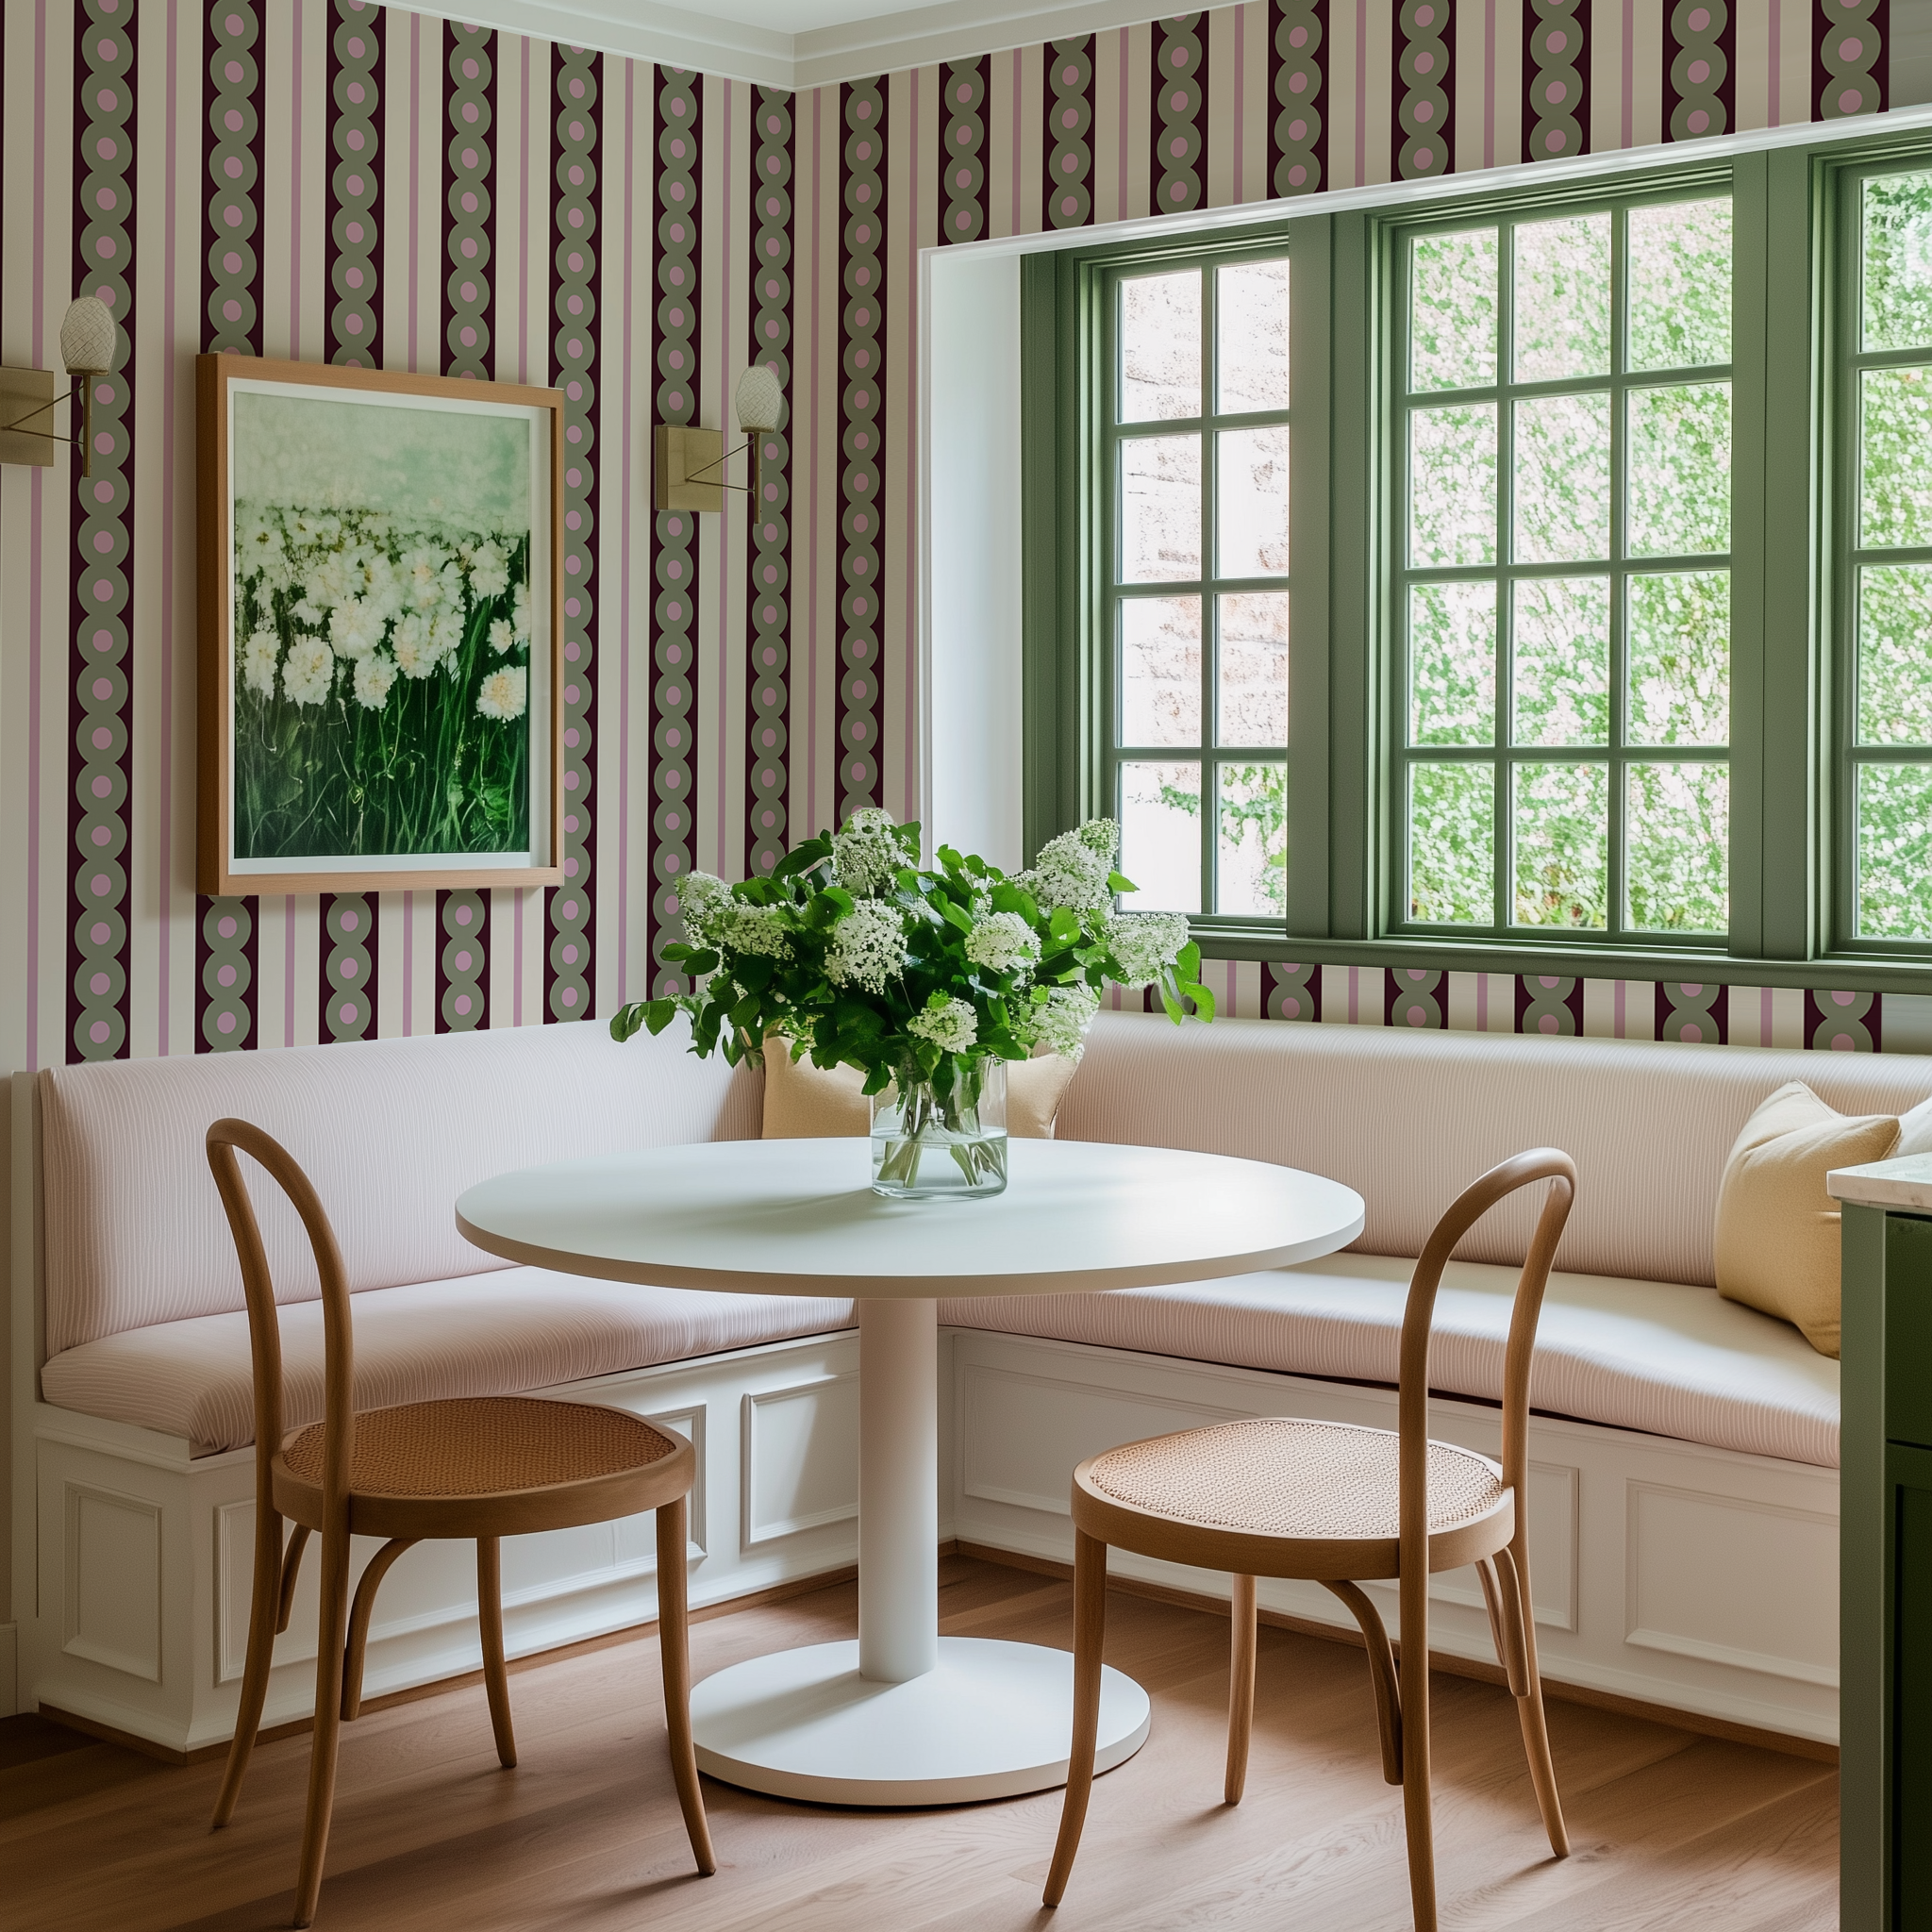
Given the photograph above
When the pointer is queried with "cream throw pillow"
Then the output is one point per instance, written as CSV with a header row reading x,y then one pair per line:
x,y
1777,1230
808,1103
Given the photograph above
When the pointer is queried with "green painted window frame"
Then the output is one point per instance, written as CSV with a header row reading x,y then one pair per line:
x,y
1788,666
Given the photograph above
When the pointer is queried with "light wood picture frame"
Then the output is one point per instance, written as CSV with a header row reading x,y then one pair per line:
x,y
381,633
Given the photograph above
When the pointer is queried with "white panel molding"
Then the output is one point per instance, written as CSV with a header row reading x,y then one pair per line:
x,y
792,1458
839,40
113,1599
1670,1528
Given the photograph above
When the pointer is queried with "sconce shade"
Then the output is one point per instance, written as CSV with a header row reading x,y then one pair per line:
x,y
759,399
87,337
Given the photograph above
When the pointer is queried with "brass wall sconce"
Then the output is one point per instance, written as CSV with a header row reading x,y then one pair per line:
x,y
88,337
685,462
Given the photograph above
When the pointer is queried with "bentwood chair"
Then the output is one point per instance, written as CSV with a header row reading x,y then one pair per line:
x,y
1339,1504
485,1468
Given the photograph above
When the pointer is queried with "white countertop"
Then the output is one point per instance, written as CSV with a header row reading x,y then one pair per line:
x,y
1903,1183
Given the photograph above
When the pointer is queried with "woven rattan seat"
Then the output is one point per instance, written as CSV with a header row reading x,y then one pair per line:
x,y
1341,1505
483,1446
475,1468
1302,1480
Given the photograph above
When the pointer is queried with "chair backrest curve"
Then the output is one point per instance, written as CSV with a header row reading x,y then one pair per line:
x,y
1521,1171
226,1138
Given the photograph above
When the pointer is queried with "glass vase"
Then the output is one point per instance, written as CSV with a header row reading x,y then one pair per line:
x,y
927,1147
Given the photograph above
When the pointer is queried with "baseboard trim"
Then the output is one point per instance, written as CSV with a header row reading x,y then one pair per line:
x,y
633,1633
1443,1662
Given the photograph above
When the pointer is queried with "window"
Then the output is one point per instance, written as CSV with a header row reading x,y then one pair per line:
x,y
1563,591
1196,423
1886,561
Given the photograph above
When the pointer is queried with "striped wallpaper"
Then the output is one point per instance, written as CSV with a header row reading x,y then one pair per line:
x,y
330,182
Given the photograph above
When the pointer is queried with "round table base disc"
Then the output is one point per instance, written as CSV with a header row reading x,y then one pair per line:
x,y
991,1722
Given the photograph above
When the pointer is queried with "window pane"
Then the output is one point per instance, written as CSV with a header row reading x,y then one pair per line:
x,y
1679,847
1251,335
1563,660
1251,866
1453,486
1452,664
1895,654
1680,285
1680,659
1161,837
1452,844
1161,508
1254,669
1563,479
1161,671
1895,852
1252,503
1679,490
1160,347
1563,298
1896,457
1898,262
1452,341
1562,845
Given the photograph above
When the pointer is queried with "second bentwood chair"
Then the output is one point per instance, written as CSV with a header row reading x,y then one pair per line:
x,y
1339,1504
481,1467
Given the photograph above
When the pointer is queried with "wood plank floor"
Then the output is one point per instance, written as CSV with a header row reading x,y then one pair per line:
x,y
1670,1830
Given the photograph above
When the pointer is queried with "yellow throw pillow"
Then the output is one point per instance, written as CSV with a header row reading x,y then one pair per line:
x,y
1777,1230
808,1103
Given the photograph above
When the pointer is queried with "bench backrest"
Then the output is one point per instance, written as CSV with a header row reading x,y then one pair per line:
x,y
391,1132
1408,1120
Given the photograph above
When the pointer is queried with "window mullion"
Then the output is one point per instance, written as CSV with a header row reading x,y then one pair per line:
x,y
1211,567
1617,912
1504,712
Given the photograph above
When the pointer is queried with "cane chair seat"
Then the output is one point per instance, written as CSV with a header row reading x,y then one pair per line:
x,y
1326,1495
498,1458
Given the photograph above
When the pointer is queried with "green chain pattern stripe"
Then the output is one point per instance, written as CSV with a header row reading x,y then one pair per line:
x,y
860,331
349,1008
1850,50
1290,990
464,963
1180,63
770,527
1423,109
673,536
469,171
1691,1012
1553,121
1698,69
233,316
1298,83
573,285
103,519
1548,1003
1842,1022
964,178
1415,998
1070,132
355,319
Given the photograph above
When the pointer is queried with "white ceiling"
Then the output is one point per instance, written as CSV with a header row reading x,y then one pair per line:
x,y
799,43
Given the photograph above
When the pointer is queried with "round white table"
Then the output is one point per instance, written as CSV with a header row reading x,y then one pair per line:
x,y
905,1716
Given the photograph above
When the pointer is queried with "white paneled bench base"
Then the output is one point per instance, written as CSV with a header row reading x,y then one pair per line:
x,y
144,1558
1701,1579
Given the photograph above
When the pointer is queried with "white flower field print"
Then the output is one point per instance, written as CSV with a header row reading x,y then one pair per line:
x,y
384,615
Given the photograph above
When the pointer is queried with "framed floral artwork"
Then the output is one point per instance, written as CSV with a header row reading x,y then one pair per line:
x,y
381,629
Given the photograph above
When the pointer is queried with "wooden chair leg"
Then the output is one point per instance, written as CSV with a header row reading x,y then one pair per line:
x,y
1089,1638
360,1614
673,1647
332,1621
292,1569
489,1616
1512,1568
1415,1750
1381,1675
262,1610
1240,1687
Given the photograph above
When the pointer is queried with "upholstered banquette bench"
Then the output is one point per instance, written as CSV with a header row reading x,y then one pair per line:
x,y
1684,1481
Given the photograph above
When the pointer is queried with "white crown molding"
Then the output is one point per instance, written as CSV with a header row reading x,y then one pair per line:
x,y
706,42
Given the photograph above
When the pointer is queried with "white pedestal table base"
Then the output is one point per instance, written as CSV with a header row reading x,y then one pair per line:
x,y
989,1721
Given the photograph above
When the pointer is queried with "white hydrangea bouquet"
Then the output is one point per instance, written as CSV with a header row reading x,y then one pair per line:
x,y
927,981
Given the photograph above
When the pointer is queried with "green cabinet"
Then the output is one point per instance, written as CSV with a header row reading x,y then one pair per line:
x,y
1885,1643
